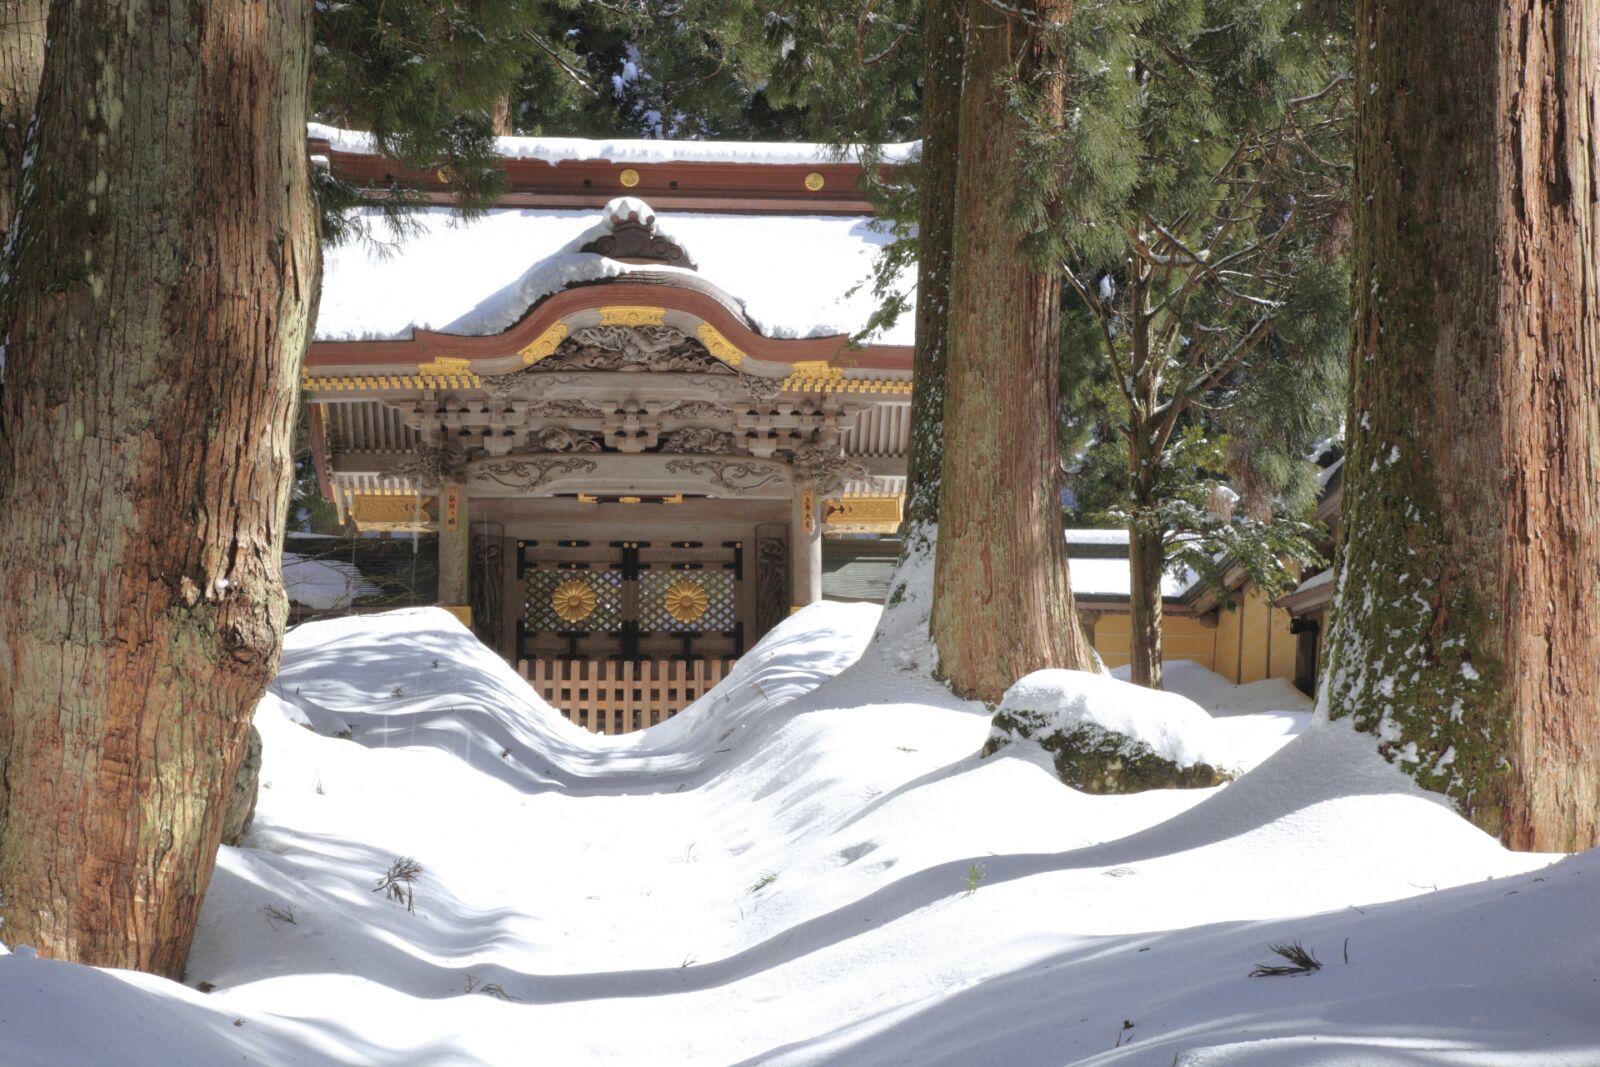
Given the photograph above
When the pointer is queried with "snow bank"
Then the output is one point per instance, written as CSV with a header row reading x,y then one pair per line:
x,y
1219,696
812,866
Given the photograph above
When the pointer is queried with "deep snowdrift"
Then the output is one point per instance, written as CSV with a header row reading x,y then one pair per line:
x,y
812,865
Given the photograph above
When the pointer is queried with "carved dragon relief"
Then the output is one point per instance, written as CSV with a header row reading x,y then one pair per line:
x,y
733,475
699,440
761,389
561,439
533,471
432,465
698,410
631,349
826,469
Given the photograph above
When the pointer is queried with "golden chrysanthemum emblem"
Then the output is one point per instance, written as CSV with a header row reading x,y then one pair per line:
x,y
573,600
687,600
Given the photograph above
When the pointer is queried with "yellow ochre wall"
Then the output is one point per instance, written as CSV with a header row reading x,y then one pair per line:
x,y
1249,642
1182,637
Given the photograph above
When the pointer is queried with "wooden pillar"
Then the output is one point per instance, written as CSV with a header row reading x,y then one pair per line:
x,y
454,551
805,546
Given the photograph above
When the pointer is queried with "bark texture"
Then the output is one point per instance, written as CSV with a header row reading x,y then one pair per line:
x,y
1002,602
1146,562
1466,630
21,62
163,275
936,206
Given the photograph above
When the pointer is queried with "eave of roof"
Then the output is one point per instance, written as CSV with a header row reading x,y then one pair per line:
x,y
500,353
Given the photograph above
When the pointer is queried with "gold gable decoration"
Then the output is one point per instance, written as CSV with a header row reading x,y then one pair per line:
x,y
543,345
719,345
382,383
803,383
445,367
865,514
815,368
632,316
391,512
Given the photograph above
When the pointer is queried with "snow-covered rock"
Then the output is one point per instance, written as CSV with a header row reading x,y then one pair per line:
x,y
1102,735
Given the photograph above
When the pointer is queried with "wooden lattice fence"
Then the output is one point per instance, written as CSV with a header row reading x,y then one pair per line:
x,y
619,696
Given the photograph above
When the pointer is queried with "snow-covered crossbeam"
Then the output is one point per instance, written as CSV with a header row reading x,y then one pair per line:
x,y
622,150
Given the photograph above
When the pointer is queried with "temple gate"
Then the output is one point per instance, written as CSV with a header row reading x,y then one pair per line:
x,y
629,481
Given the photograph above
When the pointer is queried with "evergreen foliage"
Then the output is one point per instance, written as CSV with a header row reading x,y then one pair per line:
x,y
432,82
1201,212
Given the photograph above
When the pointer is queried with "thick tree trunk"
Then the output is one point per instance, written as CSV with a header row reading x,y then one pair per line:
x,y
21,61
1466,631
162,281
1146,561
936,206
1002,602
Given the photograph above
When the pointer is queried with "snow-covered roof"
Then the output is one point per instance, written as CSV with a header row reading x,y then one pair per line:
x,y
795,275
1109,577
573,149
1321,578
1097,537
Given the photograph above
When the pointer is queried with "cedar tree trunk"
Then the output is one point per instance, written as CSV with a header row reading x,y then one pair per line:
x,y
1002,603
1146,561
936,206
162,280
21,60
1466,632
500,115
1149,428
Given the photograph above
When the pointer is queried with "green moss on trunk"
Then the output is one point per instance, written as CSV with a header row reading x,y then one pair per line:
x,y
1464,635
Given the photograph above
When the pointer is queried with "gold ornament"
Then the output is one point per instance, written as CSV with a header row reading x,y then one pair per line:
x,y
814,182
445,367
687,600
632,316
629,178
573,600
543,345
719,345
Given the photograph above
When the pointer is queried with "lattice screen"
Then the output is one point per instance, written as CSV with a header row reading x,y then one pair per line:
x,y
686,601
567,600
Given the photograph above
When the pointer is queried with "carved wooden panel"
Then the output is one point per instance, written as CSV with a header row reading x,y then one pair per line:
x,y
486,582
772,582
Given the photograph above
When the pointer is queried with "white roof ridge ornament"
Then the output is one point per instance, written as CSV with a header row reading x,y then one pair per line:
x,y
626,209
628,233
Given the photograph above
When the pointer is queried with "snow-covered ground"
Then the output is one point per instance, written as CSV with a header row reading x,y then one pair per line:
x,y
812,866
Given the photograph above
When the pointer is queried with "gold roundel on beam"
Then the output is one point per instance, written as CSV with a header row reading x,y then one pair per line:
x,y
629,178
687,600
573,600
814,181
